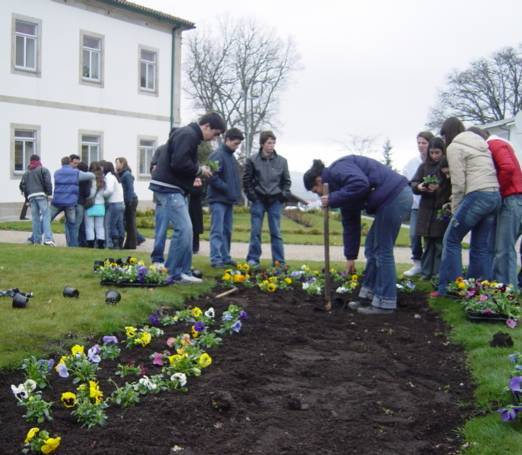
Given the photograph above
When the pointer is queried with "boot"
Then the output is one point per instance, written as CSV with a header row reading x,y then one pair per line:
x,y
90,243
415,270
101,244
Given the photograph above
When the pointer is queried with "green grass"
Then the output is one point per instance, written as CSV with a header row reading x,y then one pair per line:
x,y
490,369
293,233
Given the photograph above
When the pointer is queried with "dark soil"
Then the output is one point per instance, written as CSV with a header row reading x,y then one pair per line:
x,y
294,381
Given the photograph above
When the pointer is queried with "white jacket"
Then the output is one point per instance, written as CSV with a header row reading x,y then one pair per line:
x,y
113,190
471,167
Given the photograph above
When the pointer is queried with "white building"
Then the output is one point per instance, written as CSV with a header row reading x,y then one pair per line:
x,y
510,129
97,78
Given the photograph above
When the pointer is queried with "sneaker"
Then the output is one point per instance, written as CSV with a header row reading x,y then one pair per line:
x,y
189,279
49,243
371,310
356,304
231,263
253,264
415,270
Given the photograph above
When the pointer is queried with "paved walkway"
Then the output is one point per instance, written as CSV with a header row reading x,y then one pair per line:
x,y
239,250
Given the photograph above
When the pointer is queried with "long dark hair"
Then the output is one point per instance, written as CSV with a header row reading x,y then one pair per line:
x,y
451,128
109,167
124,165
97,170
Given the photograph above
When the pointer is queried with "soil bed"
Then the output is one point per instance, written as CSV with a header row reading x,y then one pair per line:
x,y
296,380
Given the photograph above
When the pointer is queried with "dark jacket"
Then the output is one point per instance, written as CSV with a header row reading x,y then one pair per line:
x,y
224,186
357,183
430,223
127,182
195,208
177,165
84,191
36,182
66,187
267,179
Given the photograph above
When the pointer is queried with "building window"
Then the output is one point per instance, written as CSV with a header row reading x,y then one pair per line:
x,y
25,145
90,148
91,58
146,149
148,70
26,45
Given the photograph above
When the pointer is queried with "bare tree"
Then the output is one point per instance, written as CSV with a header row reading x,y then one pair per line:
x,y
359,145
387,153
239,71
489,90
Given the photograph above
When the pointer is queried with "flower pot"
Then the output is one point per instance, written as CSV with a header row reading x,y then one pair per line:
x,y
112,297
71,292
20,300
476,316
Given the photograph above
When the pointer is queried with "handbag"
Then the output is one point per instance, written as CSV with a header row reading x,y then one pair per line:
x,y
89,202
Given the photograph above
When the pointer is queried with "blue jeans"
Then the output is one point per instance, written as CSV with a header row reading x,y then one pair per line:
x,y
80,233
257,213
70,222
221,216
173,208
415,240
476,213
509,228
41,219
161,225
114,228
380,278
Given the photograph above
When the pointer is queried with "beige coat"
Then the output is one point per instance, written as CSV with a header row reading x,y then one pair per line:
x,y
471,167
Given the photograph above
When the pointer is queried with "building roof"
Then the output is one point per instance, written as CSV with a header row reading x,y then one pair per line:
x,y
499,123
145,11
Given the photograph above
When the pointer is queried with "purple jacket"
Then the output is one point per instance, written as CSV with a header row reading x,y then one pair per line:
x,y
358,183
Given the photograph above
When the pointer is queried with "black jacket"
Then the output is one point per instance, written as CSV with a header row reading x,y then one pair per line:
x,y
177,164
266,178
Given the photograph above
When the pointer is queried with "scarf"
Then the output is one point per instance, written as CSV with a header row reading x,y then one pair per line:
x,y
35,164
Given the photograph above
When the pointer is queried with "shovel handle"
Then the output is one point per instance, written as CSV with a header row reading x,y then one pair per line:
x,y
326,229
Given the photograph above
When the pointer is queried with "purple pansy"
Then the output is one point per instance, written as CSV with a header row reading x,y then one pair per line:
x,y
508,414
511,323
94,354
62,370
110,339
199,326
243,315
515,384
154,319
236,327
157,359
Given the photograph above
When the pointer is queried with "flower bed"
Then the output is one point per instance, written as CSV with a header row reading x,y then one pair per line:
x,y
85,380
131,273
487,301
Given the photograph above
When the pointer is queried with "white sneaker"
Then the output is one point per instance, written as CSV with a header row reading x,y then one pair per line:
x,y
189,279
49,243
415,270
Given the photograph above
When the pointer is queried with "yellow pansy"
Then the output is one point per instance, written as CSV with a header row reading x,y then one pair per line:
x,y
239,278
272,279
95,392
204,360
50,445
355,277
196,312
195,333
271,287
68,399
288,280
461,285
144,339
180,351
175,358
31,434
185,339
132,261
130,331
77,349
226,277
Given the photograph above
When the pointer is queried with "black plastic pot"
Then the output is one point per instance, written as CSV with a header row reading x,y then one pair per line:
x,y
71,292
485,317
112,297
20,300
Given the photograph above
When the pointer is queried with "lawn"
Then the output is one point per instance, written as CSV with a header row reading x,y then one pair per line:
x,y
52,323
293,233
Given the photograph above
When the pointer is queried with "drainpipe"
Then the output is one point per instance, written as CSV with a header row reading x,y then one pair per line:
x,y
172,69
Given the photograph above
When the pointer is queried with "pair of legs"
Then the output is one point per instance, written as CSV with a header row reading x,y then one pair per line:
x,y
221,220
257,214
477,214
380,281
430,263
41,219
70,222
114,229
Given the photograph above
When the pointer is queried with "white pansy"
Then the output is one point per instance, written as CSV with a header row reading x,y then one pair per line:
x,y
181,378
210,313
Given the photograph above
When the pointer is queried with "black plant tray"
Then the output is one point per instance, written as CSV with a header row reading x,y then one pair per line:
x,y
480,317
127,284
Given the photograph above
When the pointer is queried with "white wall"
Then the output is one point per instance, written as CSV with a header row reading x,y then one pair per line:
x,y
60,82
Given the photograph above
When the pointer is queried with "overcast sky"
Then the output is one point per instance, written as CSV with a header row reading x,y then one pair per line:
x,y
370,67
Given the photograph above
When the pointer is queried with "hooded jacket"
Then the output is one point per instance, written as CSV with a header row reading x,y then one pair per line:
x,y
357,183
225,184
471,167
506,163
36,182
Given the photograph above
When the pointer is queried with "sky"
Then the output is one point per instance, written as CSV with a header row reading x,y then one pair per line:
x,y
369,67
